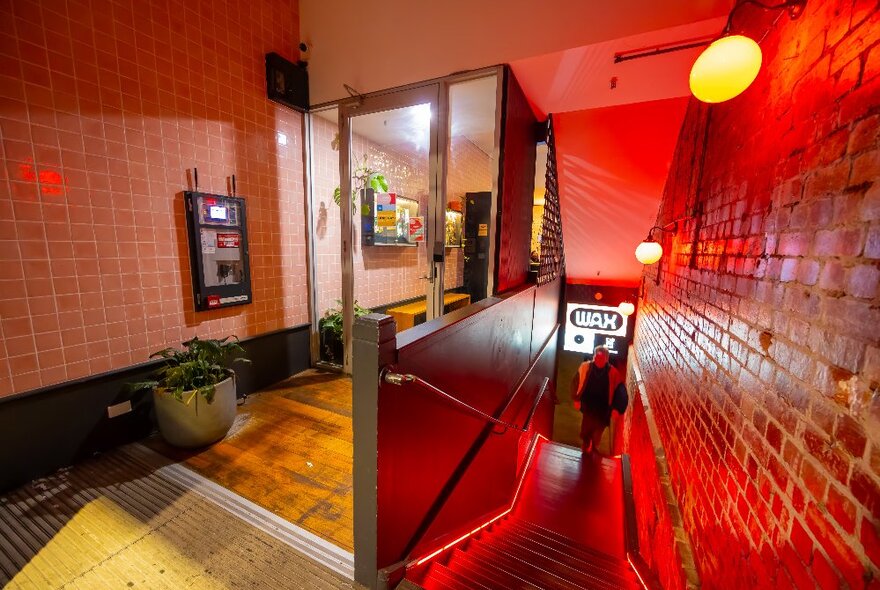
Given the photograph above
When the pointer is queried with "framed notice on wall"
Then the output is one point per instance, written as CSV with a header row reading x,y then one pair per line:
x,y
218,250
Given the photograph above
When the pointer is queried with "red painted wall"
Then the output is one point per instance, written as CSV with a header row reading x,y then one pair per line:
x,y
759,345
422,439
103,107
517,189
613,163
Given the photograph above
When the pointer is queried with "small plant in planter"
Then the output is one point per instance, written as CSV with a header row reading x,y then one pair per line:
x,y
330,327
194,392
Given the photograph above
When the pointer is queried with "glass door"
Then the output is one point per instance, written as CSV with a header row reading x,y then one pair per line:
x,y
470,187
392,251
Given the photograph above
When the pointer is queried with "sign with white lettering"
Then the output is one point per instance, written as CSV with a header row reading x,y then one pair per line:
x,y
585,323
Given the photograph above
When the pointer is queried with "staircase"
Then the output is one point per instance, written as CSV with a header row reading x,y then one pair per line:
x,y
515,553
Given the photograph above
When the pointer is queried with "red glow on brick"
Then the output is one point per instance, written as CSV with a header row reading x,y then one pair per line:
x,y
50,177
52,183
26,172
51,190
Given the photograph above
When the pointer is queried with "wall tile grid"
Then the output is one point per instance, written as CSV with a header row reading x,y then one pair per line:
x,y
384,275
104,106
759,344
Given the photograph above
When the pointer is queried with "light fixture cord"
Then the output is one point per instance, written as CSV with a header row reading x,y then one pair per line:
x,y
780,6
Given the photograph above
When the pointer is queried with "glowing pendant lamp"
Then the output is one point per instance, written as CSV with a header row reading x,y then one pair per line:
x,y
730,64
626,308
725,69
649,251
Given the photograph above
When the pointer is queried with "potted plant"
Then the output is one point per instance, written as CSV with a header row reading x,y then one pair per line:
x,y
364,176
330,327
194,391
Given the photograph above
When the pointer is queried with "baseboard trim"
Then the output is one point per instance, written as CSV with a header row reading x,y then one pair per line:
x,y
72,418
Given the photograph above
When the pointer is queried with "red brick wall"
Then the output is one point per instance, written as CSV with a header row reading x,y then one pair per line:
x,y
759,346
104,105
656,537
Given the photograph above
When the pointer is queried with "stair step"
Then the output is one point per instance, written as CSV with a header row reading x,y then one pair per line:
x,y
488,572
524,570
437,579
549,548
584,574
526,529
461,581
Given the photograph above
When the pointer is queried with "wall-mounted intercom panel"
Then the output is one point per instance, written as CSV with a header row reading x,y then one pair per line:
x,y
218,248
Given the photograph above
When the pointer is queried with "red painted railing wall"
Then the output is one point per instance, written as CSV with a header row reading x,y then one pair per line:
x,y
517,187
422,438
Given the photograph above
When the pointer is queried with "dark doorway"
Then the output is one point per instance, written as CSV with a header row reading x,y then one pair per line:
x,y
476,244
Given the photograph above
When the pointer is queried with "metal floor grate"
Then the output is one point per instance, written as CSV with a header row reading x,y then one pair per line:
x,y
131,519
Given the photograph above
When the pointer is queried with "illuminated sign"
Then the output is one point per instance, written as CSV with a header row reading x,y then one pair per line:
x,y
588,326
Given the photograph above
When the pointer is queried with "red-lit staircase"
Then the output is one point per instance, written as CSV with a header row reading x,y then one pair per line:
x,y
566,530
515,553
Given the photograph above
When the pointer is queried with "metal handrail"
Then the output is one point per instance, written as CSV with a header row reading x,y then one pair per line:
x,y
401,378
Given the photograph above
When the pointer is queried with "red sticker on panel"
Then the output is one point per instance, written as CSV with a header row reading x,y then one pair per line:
x,y
228,240
213,301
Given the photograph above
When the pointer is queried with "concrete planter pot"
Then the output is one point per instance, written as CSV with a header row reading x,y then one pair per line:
x,y
197,423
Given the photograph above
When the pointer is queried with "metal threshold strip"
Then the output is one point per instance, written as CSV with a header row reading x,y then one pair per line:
x,y
305,542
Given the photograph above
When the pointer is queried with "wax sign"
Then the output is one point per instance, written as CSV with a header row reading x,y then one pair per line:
x,y
587,326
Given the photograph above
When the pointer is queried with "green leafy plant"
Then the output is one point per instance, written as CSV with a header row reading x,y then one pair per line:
x,y
197,368
364,177
332,319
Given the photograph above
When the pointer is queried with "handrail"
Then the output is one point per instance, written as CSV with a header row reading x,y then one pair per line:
x,y
450,486
401,378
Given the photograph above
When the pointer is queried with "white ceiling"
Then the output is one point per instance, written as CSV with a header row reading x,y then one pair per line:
x,y
580,78
376,44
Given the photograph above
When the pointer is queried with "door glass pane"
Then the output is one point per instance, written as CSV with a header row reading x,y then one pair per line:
x,y
471,169
389,163
325,147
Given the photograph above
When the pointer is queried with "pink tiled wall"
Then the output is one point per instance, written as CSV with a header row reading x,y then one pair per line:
x,y
385,274
104,106
470,170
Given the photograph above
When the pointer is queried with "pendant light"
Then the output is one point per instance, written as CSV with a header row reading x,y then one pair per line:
x,y
731,63
650,250
626,308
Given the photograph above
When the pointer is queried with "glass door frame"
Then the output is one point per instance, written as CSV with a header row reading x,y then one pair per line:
x,y
436,93
349,110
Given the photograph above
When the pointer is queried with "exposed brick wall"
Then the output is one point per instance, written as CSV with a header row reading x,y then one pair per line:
x,y
104,105
759,345
657,542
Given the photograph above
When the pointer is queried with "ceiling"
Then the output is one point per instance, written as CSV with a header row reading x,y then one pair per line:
x,y
613,146
377,44
580,78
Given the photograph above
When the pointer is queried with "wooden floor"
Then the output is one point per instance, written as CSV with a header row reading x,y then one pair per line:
x,y
290,451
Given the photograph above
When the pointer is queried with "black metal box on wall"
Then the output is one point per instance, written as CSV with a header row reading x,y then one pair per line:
x,y
218,249
287,82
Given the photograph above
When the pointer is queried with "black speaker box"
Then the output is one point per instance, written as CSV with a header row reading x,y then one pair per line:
x,y
287,83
